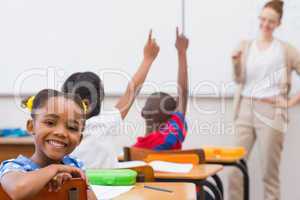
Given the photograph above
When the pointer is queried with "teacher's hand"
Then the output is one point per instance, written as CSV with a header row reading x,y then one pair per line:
x,y
236,58
281,102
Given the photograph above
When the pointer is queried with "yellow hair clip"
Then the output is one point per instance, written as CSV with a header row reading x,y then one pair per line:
x,y
84,107
29,103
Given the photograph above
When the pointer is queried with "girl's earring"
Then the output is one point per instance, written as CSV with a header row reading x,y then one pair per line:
x,y
29,126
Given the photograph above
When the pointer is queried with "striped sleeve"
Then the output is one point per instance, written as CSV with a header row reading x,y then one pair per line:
x,y
178,126
168,144
176,132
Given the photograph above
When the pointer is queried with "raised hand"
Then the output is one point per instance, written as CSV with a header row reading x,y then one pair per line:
x,y
125,102
181,45
182,42
151,49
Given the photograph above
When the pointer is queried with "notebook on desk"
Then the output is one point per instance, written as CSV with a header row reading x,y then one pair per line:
x,y
109,192
159,166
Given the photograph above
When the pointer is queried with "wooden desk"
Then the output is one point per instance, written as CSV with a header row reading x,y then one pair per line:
x,y
198,176
199,172
232,157
207,159
181,191
12,147
223,159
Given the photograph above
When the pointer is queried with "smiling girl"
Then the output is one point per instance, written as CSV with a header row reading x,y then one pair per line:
x,y
56,126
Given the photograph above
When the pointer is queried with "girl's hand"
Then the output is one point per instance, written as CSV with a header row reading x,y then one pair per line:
x,y
58,180
151,49
182,42
75,172
236,58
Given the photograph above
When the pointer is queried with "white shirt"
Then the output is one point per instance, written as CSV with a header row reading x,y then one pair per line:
x,y
264,70
97,149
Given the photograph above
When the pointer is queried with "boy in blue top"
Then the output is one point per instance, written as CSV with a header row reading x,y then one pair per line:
x,y
164,115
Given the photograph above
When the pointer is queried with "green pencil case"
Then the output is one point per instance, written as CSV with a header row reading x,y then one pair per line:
x,y
117,177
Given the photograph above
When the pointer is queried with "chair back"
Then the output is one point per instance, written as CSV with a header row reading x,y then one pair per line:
x,y
133,153
75,189
145,173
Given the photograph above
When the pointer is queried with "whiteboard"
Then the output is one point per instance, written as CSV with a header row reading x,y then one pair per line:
x,y
43,42
215,28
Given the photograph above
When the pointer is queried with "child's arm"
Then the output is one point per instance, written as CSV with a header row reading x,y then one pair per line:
x,y
150,52
182,44
19,185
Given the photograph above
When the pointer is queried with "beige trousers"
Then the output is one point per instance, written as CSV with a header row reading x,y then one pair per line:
x,y
258,122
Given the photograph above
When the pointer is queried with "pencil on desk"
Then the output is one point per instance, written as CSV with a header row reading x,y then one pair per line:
x,y
158,189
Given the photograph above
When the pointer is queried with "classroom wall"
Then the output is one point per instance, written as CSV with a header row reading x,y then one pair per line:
x,y
209,124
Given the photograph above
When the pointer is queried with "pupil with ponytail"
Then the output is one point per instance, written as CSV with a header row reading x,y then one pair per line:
x,y
56,125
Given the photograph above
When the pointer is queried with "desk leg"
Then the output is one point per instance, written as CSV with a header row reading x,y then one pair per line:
x,y
243,162
215,190
242,166
219,184
201,193
244,171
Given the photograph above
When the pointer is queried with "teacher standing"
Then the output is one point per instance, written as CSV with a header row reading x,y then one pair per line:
x,y
262,70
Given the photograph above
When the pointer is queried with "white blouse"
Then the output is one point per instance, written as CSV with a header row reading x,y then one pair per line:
x,y
264,69
97,149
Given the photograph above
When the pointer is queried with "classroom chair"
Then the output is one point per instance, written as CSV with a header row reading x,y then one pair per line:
x,y
145,173
133,153
74,189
